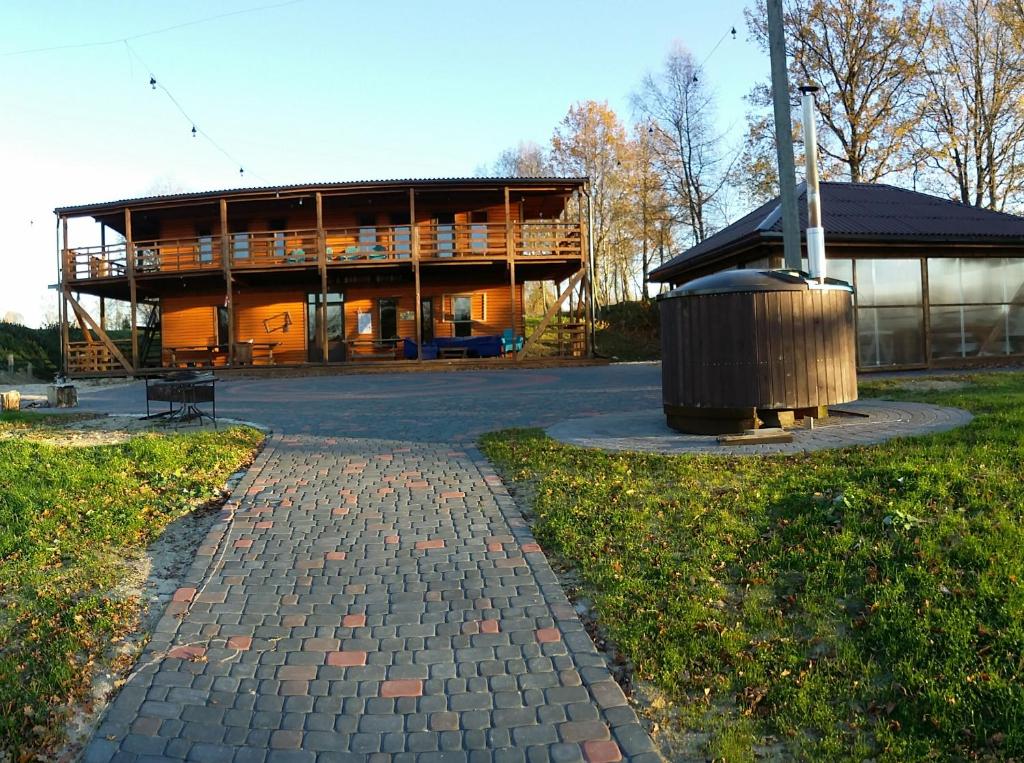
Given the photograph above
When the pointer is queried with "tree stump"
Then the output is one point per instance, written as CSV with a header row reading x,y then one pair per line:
x,y
10,401
62,395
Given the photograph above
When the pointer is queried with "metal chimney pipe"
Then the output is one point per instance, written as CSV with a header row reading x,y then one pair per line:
x,y
815,233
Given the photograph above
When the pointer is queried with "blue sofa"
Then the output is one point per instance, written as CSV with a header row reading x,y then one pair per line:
x,y
476,346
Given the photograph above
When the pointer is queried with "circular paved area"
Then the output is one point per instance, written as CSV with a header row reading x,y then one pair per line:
x,y
646,430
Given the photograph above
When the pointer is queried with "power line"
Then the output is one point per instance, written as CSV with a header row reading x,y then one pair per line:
x,y
97,43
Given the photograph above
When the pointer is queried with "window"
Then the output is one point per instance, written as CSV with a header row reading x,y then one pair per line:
x,y
240,246
401,236
222,326
427,320
890,312
367,233
444,225
462,314
973,310
205,245
478,231
388,309
278,227
335,324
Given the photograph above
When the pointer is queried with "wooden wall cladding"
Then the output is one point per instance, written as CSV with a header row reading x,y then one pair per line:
x,y
189,319
772,350
273,316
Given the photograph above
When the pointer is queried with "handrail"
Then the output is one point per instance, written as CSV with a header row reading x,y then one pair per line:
x,y
260,249
440,241
369,243
352,245
172,255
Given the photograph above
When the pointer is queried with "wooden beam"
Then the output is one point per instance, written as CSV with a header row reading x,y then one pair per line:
x,y
576,278
510,252
588,326
321,244
62,305
414,238
225,263
83,315
129,251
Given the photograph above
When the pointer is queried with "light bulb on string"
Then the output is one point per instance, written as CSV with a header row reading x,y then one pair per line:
x,y
152,82
194,131
733,32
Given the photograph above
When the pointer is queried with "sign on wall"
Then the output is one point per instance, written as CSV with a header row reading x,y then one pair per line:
x,y
364,320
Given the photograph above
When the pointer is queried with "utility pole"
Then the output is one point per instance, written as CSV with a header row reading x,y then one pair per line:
x,y
783,135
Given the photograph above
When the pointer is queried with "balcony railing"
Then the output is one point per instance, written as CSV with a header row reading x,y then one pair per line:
x,y
373,245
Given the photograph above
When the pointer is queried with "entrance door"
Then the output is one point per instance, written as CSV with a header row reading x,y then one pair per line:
x,y
335,327
426,321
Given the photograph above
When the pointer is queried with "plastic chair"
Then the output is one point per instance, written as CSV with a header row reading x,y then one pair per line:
x,y
510,342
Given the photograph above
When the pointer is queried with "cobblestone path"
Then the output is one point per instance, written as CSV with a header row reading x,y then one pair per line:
x,y
369,599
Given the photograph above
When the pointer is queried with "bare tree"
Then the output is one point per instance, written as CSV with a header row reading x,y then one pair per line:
x,y
865,55
972,130
526,159
678,107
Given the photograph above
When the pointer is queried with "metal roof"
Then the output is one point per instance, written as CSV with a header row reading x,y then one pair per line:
x,y
859,212
750,281
104,206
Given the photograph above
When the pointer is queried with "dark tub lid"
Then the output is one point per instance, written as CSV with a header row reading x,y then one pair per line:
x,y
737,281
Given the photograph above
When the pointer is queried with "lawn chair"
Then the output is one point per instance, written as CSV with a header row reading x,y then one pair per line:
x,y
510,342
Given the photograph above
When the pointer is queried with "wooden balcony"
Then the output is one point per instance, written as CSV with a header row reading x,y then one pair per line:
x,y
343,247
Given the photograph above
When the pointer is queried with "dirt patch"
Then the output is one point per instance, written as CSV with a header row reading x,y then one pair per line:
x,y
87,430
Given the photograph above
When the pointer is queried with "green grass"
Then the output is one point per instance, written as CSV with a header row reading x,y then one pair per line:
x,y
67,516
859,603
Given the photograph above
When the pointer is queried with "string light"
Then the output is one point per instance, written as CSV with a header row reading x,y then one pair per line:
x,y
195,129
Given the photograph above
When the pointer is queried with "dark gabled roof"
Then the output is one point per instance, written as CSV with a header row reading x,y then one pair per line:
x,y
471,182
858,212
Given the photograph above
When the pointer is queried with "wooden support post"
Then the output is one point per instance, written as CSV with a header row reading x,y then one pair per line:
x,y
225,261
129,252
321,245
587,255
510,252
415,242
67,266
537,332
82,315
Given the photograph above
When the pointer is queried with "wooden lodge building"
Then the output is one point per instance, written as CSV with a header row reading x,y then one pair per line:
x,y
937,283
405,270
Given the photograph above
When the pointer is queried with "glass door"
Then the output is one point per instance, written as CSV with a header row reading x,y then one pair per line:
x,y
335,316
426,320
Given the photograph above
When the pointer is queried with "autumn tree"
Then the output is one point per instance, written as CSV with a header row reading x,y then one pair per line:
x,y
972,127
651,221
865,55
678,107
591,141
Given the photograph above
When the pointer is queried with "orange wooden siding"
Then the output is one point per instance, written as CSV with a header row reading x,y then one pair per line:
x,y
273,316
189,320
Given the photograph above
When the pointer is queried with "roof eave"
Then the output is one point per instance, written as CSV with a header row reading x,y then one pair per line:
x,y
81,210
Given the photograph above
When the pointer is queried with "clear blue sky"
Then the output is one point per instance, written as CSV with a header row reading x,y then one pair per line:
x,y
312,90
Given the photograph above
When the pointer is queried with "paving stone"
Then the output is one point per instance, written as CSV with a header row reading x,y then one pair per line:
x,y
325,642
